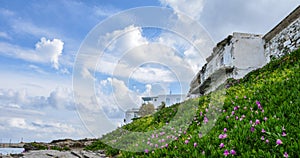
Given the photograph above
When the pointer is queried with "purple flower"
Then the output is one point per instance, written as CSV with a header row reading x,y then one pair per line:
x,y
186,141
243,116
236,117
225,130
263,131
206,109
226,152
146,151
167,145
252,129
257,122
227,117
203,152
278,142
235,108
156,145
267,140
222,136
201,113
205,120
265,118
195,144
232,113
262,138
245,97
262,110
221,145
224,111
232,152
285,154
283,134
258,105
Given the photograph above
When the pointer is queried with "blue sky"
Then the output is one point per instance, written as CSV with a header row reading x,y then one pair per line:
x,y
39,43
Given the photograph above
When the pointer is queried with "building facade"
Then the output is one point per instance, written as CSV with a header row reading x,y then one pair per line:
x,y
241,53
130,114
169,99
233,57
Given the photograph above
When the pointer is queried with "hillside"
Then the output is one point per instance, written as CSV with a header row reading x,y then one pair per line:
x,y
257,116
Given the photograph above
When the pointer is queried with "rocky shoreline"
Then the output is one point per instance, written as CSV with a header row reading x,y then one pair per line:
x,y
63,148
58,154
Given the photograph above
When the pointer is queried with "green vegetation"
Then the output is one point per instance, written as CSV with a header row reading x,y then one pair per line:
x,y
257,116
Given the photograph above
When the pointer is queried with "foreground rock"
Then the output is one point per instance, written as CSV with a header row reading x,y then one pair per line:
x,y
58,154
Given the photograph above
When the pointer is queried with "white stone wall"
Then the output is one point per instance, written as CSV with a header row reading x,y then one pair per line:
x,y
284,42
248,53
240,53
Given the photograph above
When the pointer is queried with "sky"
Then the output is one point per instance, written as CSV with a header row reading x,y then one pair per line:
x,y
68,66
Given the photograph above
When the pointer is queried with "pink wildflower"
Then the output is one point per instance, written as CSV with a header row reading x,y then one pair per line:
x,y
278,142
221,145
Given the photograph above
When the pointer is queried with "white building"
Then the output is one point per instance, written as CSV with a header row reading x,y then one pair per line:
x,y
169,99
130,114
234,57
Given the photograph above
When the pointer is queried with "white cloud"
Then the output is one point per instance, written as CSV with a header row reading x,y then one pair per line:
x,y
192,8
104,11
152,75
6,12
50,49
4,35
19,123
46,51
60,98
255,16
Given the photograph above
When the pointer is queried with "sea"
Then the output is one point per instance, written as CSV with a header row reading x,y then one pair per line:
x,y
6,151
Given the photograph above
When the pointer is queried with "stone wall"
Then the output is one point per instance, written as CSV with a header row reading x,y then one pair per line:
x,y
285,37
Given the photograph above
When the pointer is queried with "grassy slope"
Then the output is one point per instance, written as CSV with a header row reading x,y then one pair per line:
x,y
276,86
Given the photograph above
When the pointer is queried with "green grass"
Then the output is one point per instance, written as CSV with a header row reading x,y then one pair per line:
x,y
276,86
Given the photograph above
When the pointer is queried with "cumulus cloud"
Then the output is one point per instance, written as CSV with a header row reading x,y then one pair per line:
x,y
44,130
192,8
46,51
60,98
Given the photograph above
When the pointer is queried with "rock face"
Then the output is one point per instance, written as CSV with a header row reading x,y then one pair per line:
x,y
61,144
285,37
63,148
58,154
